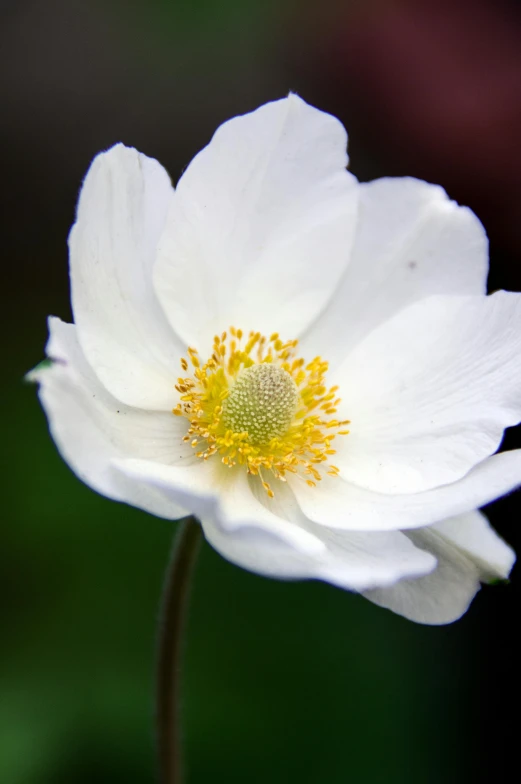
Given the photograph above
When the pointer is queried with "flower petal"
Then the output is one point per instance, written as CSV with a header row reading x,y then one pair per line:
x,y
473,536
348,560
352,561
91,428
213,491
411,242
338,504
430,392
273,538
467,550
261,225
121,326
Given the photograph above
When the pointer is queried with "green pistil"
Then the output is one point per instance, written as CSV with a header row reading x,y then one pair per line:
x,y
262,402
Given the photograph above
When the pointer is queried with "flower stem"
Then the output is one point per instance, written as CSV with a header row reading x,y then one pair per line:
x,y
170,645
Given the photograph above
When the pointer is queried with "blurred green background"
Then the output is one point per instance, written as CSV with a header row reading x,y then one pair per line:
x,y
283,682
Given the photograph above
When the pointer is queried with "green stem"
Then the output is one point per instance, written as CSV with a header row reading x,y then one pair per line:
x,y
170,649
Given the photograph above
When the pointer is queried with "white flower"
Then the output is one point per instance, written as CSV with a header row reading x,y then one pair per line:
x,y
268,233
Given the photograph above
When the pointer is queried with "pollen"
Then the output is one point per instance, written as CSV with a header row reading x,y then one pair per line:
x,y
255,404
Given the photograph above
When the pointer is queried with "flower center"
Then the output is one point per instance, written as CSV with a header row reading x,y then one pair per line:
x,y
262,402
257,405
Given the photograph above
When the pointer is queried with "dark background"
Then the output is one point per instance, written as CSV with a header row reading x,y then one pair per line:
x,y
284,682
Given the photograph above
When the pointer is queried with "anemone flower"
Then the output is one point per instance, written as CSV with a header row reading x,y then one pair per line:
x,y
308,364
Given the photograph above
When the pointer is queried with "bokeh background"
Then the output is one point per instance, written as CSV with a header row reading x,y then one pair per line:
x,y
283,682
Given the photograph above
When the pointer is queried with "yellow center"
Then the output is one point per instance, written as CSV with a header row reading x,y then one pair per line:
x,y
260,406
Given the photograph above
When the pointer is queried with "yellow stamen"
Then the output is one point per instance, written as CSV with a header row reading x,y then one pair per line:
x,y
261,407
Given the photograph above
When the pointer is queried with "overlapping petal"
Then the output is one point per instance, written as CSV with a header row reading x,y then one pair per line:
x,y
274,538
473,536
213,491
468,552
91,428
261,225
344,505
411,242
122,329
430,392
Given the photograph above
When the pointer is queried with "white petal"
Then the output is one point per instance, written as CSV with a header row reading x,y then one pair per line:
x,y
261,225
339,504
121,326
411,242
473,536
352,561
91,428
468,551
430,392
212,491
273,538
